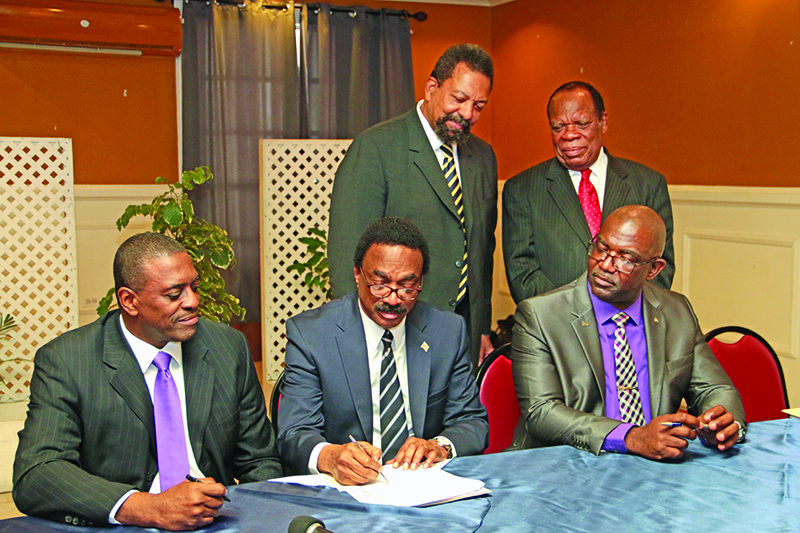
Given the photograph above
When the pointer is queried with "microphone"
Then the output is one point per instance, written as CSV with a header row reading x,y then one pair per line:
x,y
307,524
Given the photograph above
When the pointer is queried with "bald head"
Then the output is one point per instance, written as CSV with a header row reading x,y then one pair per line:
x,y
641,221
626,254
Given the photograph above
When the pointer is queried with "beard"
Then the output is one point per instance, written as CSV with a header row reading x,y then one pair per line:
x,y
452,135
383,307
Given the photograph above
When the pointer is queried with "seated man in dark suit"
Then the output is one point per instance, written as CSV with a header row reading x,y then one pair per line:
x,y
603,363
124,409
381,366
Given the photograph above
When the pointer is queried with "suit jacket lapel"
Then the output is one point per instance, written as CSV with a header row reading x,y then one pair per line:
x,y
426,161
585,326
563,193
655,331
352,348
617,188
198,377
126,376
418,372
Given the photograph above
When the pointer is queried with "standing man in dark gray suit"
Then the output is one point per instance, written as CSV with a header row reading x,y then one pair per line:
x,y
123,409
425,166
603,363
346,358
551,210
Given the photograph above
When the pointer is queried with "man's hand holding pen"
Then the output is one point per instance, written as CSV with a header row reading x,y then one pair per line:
x,y
354,463
185,506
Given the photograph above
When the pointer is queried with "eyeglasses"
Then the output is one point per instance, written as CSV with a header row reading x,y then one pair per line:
x,y
384,291
598,250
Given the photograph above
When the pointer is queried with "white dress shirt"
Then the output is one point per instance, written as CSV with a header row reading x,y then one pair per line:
x,y
597,177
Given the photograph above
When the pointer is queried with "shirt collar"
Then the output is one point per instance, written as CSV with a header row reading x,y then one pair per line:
x,y
604,311
434,139
374,333
146,352
598,168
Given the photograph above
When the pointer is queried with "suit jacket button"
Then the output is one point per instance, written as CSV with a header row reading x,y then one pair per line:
x,y
68,519
459,263
76,521
452,303
150,476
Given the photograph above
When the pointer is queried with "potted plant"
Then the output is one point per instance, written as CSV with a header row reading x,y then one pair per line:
x,y
208,245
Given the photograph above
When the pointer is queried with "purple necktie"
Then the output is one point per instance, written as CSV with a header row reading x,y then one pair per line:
x,y
173,460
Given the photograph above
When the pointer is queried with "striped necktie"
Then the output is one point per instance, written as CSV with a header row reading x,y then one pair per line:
x,y
394,430
630,403
451,177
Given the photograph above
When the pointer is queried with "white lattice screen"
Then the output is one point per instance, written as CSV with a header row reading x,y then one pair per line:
x,y
38,272
296,184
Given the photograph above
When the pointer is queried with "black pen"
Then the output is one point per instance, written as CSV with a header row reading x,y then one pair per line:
x,y
195,480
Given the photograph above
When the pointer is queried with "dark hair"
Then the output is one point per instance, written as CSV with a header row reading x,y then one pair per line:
x,y
133,255
392,231
597,100
472,55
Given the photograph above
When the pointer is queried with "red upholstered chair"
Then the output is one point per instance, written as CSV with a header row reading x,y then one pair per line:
x,y
499,397
755,370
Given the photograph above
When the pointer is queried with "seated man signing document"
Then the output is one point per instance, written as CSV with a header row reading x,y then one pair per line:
x,y
603,363
381,366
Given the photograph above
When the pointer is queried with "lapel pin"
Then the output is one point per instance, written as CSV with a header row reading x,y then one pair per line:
x,y
655,319
584,323
424,346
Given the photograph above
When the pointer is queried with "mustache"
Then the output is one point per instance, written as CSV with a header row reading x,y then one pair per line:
x,y
452,135
383,307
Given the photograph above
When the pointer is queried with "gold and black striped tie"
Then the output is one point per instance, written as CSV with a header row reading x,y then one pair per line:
x,y
451,177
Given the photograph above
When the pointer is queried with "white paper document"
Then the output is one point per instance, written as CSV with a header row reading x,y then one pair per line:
x,y
405,488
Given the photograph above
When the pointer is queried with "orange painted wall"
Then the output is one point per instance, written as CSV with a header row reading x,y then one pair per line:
x,y
707,92
121,112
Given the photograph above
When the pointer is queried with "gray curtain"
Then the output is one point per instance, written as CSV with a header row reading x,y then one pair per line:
x,y
243,81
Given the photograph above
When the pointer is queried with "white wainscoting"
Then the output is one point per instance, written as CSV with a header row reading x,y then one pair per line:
x,y
737,251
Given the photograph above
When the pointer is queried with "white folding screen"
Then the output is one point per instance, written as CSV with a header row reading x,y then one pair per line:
x,y
296,183
38,271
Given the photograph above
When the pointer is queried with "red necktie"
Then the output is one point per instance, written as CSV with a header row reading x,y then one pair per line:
x,y
589,202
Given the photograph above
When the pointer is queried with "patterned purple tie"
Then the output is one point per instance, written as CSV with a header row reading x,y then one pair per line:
x,y
630,403
173,460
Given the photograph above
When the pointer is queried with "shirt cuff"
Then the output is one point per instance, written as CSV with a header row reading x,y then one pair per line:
x,y
113,513
314,458
615,440
448,441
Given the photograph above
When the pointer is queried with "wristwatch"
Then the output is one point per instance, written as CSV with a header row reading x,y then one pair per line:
x,y
446,445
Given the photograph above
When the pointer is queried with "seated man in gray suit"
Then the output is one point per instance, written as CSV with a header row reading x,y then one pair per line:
x,y
382,366
551,210
123,410
603,363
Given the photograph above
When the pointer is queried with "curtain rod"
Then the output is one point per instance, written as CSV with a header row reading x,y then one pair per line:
x,y
419,15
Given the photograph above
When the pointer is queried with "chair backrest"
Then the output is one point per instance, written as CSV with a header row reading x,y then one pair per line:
x,y
275,403
755,370
497,394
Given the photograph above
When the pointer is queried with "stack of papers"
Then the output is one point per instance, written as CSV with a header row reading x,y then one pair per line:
x,y
405,488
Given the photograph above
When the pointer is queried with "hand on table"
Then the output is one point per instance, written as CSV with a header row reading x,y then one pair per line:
x,y
414,450
350,465
720,430
657,441
184,507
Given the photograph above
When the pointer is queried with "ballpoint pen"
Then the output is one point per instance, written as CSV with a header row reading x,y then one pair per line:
x,y
354,441
195,480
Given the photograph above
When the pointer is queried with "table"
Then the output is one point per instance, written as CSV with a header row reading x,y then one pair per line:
x,y
755,487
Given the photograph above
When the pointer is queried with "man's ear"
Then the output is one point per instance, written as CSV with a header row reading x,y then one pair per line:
x,y
127,301
430,85
657,266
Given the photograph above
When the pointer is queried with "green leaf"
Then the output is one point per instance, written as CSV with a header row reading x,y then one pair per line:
x,y
320,233
308,279
299,267
310,241
221,258
172,214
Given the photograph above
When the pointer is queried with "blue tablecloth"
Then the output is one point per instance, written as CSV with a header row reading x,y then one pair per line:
x,y
755,487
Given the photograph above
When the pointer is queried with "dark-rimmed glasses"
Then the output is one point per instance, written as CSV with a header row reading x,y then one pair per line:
x,y
598,250
384,291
